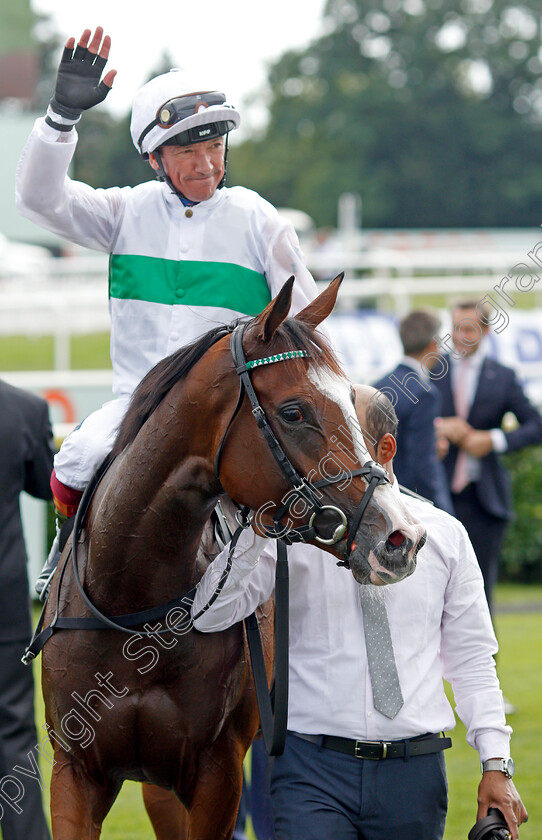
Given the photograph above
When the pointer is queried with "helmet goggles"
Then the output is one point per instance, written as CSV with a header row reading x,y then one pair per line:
x,y
181,107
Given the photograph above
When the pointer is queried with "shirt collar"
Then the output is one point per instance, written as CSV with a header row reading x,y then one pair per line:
x,y
416,365
476,359
172,200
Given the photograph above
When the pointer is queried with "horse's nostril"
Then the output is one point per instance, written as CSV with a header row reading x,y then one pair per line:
x,y
396,538
421,541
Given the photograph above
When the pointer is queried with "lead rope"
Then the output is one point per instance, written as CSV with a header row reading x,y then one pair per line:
x,y
273,707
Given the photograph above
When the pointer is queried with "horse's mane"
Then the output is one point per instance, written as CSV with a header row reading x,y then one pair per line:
x,y
165,374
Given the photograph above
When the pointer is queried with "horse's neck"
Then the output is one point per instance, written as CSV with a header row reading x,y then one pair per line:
x,y
150,518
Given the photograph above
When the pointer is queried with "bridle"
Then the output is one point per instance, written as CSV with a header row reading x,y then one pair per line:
x,y
301,487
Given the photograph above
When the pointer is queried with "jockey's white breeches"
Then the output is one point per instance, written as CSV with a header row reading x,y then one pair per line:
x,y
84,449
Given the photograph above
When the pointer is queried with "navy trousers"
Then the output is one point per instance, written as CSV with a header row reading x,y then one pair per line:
x,y
259,796
318,793
486,533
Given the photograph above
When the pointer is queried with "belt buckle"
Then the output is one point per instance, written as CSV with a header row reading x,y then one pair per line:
x,y
383,749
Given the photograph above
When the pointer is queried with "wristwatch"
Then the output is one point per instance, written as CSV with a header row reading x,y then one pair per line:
x,y
505,765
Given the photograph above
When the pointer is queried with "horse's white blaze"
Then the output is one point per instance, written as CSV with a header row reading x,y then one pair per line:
x,y
401,519
388,499
338,389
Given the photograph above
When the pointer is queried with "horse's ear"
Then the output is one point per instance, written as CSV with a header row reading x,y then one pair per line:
x,y
322,306
274,313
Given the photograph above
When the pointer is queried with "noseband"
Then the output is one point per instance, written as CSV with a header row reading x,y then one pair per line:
x,y
302,488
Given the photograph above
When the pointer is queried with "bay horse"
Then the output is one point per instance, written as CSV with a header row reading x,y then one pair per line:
x,y
166,705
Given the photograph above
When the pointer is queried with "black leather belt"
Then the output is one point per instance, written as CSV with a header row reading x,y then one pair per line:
x,y
377,750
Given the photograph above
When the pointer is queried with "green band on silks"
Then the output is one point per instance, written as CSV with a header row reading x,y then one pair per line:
x,y
278,357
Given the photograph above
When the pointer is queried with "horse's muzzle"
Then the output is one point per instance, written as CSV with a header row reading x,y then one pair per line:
x,y
389,561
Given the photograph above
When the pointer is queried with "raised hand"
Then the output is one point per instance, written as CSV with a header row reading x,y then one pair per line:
x,y
78,85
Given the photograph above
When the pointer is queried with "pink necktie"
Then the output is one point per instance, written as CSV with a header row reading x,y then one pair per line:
x,y
461,473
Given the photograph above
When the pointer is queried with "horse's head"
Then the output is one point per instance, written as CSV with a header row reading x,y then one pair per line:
x,y
294,451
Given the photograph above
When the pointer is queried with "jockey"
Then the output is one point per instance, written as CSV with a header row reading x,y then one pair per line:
x,y
186,252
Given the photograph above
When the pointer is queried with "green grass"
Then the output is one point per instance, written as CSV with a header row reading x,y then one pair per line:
x,y
523,301
518,665
88,352
514,595
520,656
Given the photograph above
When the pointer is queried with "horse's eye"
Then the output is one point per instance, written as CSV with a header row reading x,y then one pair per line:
x,y
292,415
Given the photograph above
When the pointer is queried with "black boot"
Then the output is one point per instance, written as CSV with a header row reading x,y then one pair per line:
x,y
43,582
63,530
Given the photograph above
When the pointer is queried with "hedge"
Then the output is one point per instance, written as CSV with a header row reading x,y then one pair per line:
x,y
522,552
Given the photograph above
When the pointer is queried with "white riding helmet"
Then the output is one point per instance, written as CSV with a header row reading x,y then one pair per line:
x,y
176,108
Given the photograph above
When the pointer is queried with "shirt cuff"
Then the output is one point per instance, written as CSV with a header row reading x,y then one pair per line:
x,y
493,745
498,439
53,135
58,118
247,551
212,613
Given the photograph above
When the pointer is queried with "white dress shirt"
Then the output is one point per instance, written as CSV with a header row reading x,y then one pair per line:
x,y
440,627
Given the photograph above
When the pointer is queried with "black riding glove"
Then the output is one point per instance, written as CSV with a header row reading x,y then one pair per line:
x,y
78,85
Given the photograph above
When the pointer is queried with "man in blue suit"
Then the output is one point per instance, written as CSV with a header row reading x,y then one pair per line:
x,y
417,405
476,394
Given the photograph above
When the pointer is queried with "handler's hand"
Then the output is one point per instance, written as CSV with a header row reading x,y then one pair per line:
x,y
497,791
78,85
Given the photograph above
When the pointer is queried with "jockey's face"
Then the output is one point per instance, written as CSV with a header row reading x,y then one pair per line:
x,y
195,170
467,330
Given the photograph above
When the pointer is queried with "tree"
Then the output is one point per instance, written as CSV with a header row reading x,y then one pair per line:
x,y
430,110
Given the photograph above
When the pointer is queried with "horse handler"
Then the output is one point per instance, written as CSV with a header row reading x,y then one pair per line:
x,y
187,253
364,756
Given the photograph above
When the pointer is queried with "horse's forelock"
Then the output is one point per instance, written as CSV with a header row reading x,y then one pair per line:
x,y
300,336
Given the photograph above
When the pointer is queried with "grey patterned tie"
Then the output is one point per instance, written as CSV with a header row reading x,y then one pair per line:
x,y
387,695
